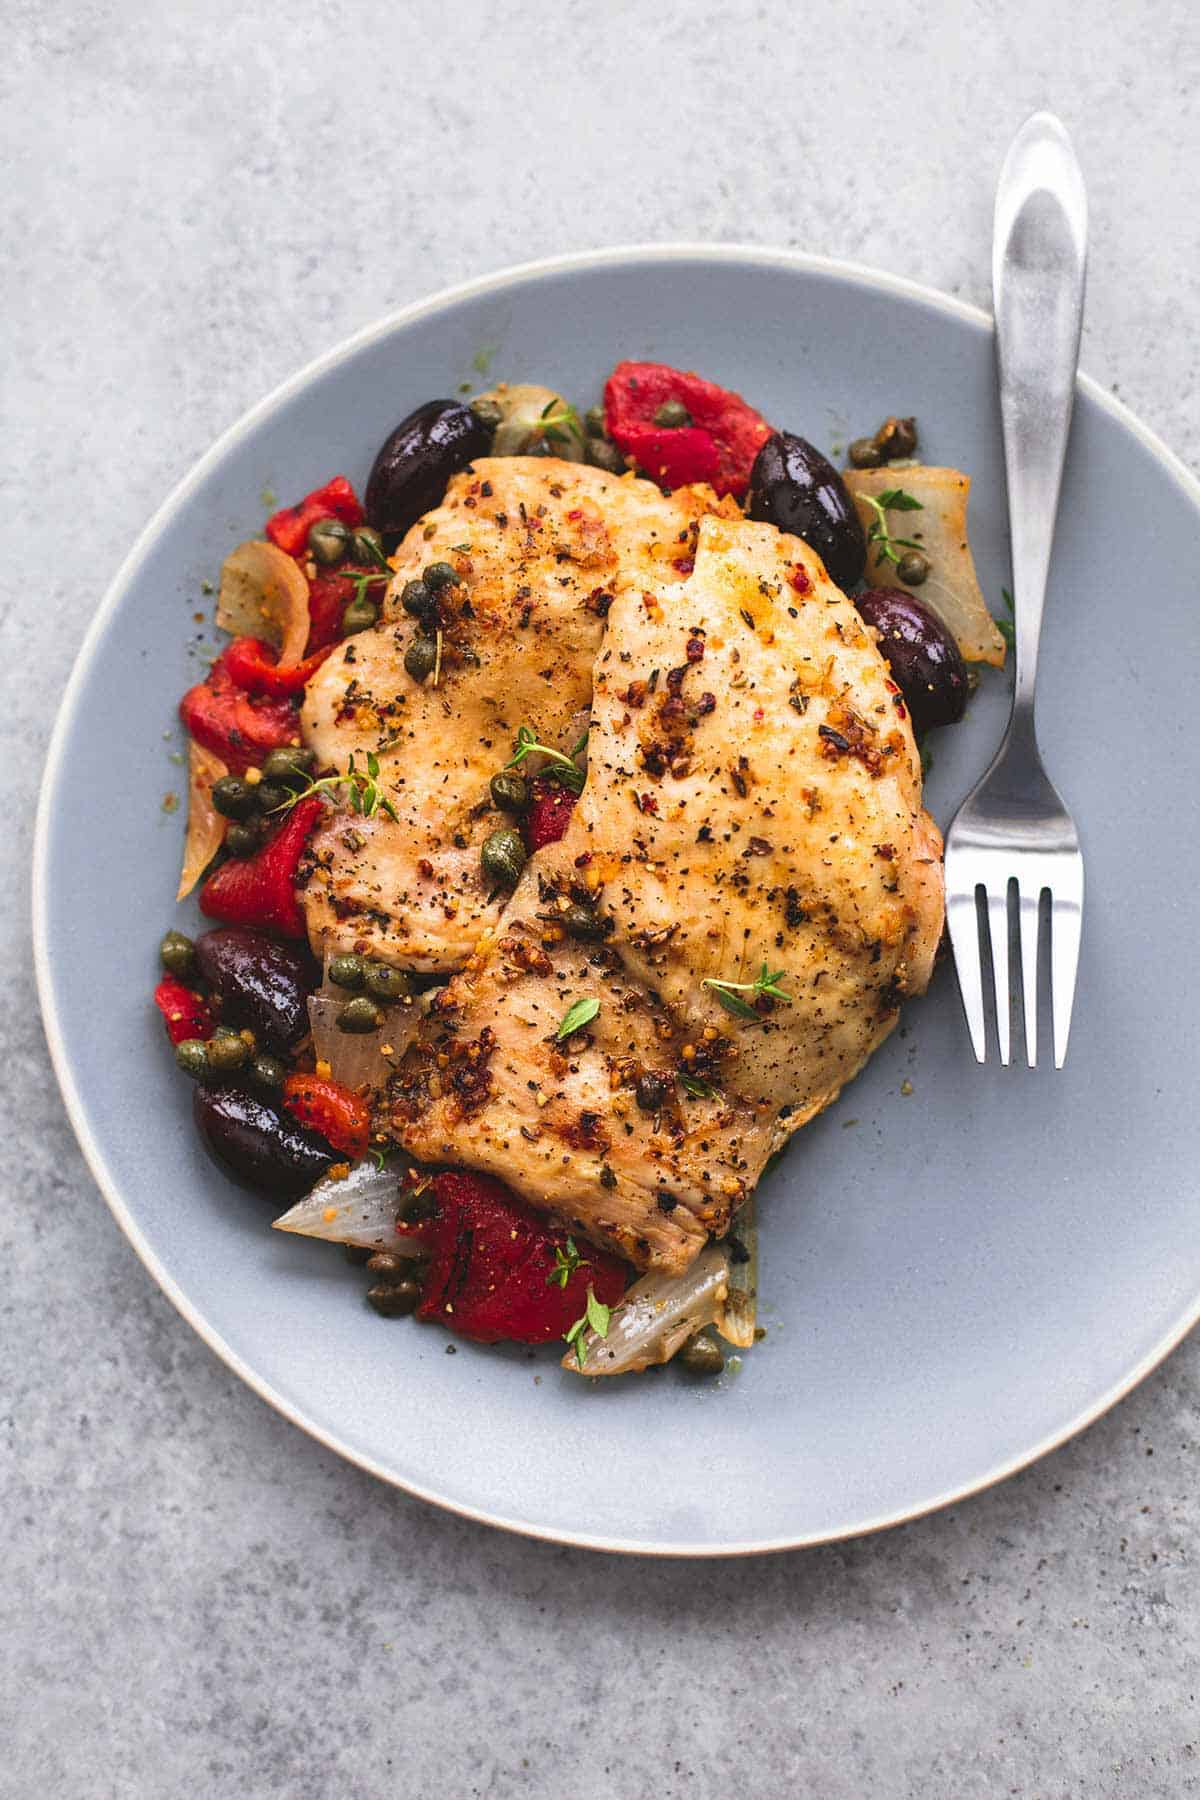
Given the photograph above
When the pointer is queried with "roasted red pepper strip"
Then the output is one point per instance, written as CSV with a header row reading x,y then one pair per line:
x,y
185,1013
492,1262
290,526
550,808
254,666
260,890
238,728
720,444
328,597
341,1117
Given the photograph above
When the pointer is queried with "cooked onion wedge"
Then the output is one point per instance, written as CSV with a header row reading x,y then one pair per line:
x,y
530,415
360,1210
661,1312
205,826
264,595
952,587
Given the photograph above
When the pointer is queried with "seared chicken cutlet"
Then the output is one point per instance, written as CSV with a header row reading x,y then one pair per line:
x,y
752,809
541,548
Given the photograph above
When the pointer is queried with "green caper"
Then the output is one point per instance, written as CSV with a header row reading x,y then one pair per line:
x,y
395,1300
440,575
672,414
360,615
488,412
652,1091
192,1057
415,1206
912,568
233,797
366,545
328,540
593,420
227,1052
347,971
269,1071
603,455
390,1267
418,600
383,982
242,840
270,797
582,921
291,764
701,1355
359,1016
503,856
510,791
420,659
177,952
864,453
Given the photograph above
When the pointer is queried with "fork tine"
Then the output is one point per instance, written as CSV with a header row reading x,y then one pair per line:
x,y
962,918
1066,925
1029,900
997,906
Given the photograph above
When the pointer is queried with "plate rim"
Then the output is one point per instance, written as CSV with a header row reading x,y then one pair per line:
x,y
512,275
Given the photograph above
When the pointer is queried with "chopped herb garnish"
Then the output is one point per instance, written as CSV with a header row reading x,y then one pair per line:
x,y
595,1318
566,768
363,579
362,794
576,1017
699,1090
1005,627
887,547
566,1261
729,993
558,422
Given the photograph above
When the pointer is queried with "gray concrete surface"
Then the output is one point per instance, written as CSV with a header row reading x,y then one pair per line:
x,y
195,1598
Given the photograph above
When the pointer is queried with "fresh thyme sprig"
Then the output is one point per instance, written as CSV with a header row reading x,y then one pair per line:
x,y
558,422
729,993
364,579
880,532
361,791
596,1316
1006,627
566,1262
566,768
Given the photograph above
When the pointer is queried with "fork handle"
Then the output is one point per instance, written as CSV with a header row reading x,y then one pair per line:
x,y
1039,257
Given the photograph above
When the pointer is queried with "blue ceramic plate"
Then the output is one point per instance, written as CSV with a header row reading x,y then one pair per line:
x,y
954,1279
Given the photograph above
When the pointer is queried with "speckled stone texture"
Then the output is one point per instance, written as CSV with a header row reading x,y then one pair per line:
x,y
196,1599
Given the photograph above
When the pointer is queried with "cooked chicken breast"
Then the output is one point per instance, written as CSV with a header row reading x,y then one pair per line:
x,y
753,804
542,547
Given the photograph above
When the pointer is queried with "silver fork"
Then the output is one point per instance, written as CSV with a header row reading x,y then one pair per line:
x,y
1013,838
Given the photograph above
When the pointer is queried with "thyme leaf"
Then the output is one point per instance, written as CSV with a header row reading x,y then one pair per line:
x,y
729,993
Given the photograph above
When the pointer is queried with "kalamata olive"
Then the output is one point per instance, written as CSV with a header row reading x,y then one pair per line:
x,y
797,489
258,1145
412,469
920,652
261,983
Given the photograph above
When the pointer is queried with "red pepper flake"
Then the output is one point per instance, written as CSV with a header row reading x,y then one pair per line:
x,y
646,803
800,581
684,564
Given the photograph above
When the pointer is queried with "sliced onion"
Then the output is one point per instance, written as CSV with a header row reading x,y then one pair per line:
x,y
355,1060
205,825
264,595
660,1313
952,586
362,1210
523,408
